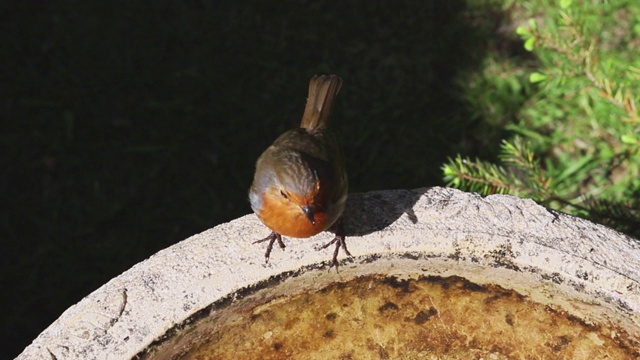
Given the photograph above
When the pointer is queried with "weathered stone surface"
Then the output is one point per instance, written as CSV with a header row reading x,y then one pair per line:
x,y
443,231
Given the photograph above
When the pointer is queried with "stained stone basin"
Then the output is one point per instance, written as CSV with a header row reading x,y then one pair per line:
x,y
435,274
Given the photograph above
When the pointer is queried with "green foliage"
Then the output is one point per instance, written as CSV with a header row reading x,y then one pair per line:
x,y
574,142
521,174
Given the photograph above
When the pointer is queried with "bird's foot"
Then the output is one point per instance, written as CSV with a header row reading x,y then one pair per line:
x,y
272,238
339,241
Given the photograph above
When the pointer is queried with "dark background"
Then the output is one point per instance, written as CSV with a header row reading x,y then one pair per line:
x,y
127,126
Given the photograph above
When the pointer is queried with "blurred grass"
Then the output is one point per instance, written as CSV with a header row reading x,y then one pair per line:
x,y
129,126
572,144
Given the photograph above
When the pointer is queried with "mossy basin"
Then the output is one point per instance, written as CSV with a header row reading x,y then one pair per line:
x,y
436,274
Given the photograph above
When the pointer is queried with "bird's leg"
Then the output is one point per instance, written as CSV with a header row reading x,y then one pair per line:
x,y
271,238
339,240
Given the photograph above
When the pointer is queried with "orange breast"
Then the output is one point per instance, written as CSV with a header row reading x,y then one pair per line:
x,y
286,218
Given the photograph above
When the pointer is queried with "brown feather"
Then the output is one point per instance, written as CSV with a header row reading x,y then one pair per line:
x,y
323,90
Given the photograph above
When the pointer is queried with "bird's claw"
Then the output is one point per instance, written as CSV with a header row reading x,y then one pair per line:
x,y
339,241
272,238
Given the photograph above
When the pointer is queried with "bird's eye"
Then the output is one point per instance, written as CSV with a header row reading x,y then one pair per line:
x,y
284,194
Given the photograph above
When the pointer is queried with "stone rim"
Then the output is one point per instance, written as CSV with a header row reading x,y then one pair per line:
x,y
133,310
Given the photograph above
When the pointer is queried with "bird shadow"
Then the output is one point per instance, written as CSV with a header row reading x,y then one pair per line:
x,y
373,211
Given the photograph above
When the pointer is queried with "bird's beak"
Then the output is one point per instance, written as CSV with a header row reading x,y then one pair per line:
x,y
308,210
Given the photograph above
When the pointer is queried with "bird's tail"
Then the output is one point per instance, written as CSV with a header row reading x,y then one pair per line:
x,y
323,90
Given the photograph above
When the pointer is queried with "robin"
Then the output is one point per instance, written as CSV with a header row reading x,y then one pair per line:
x,y
300,184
